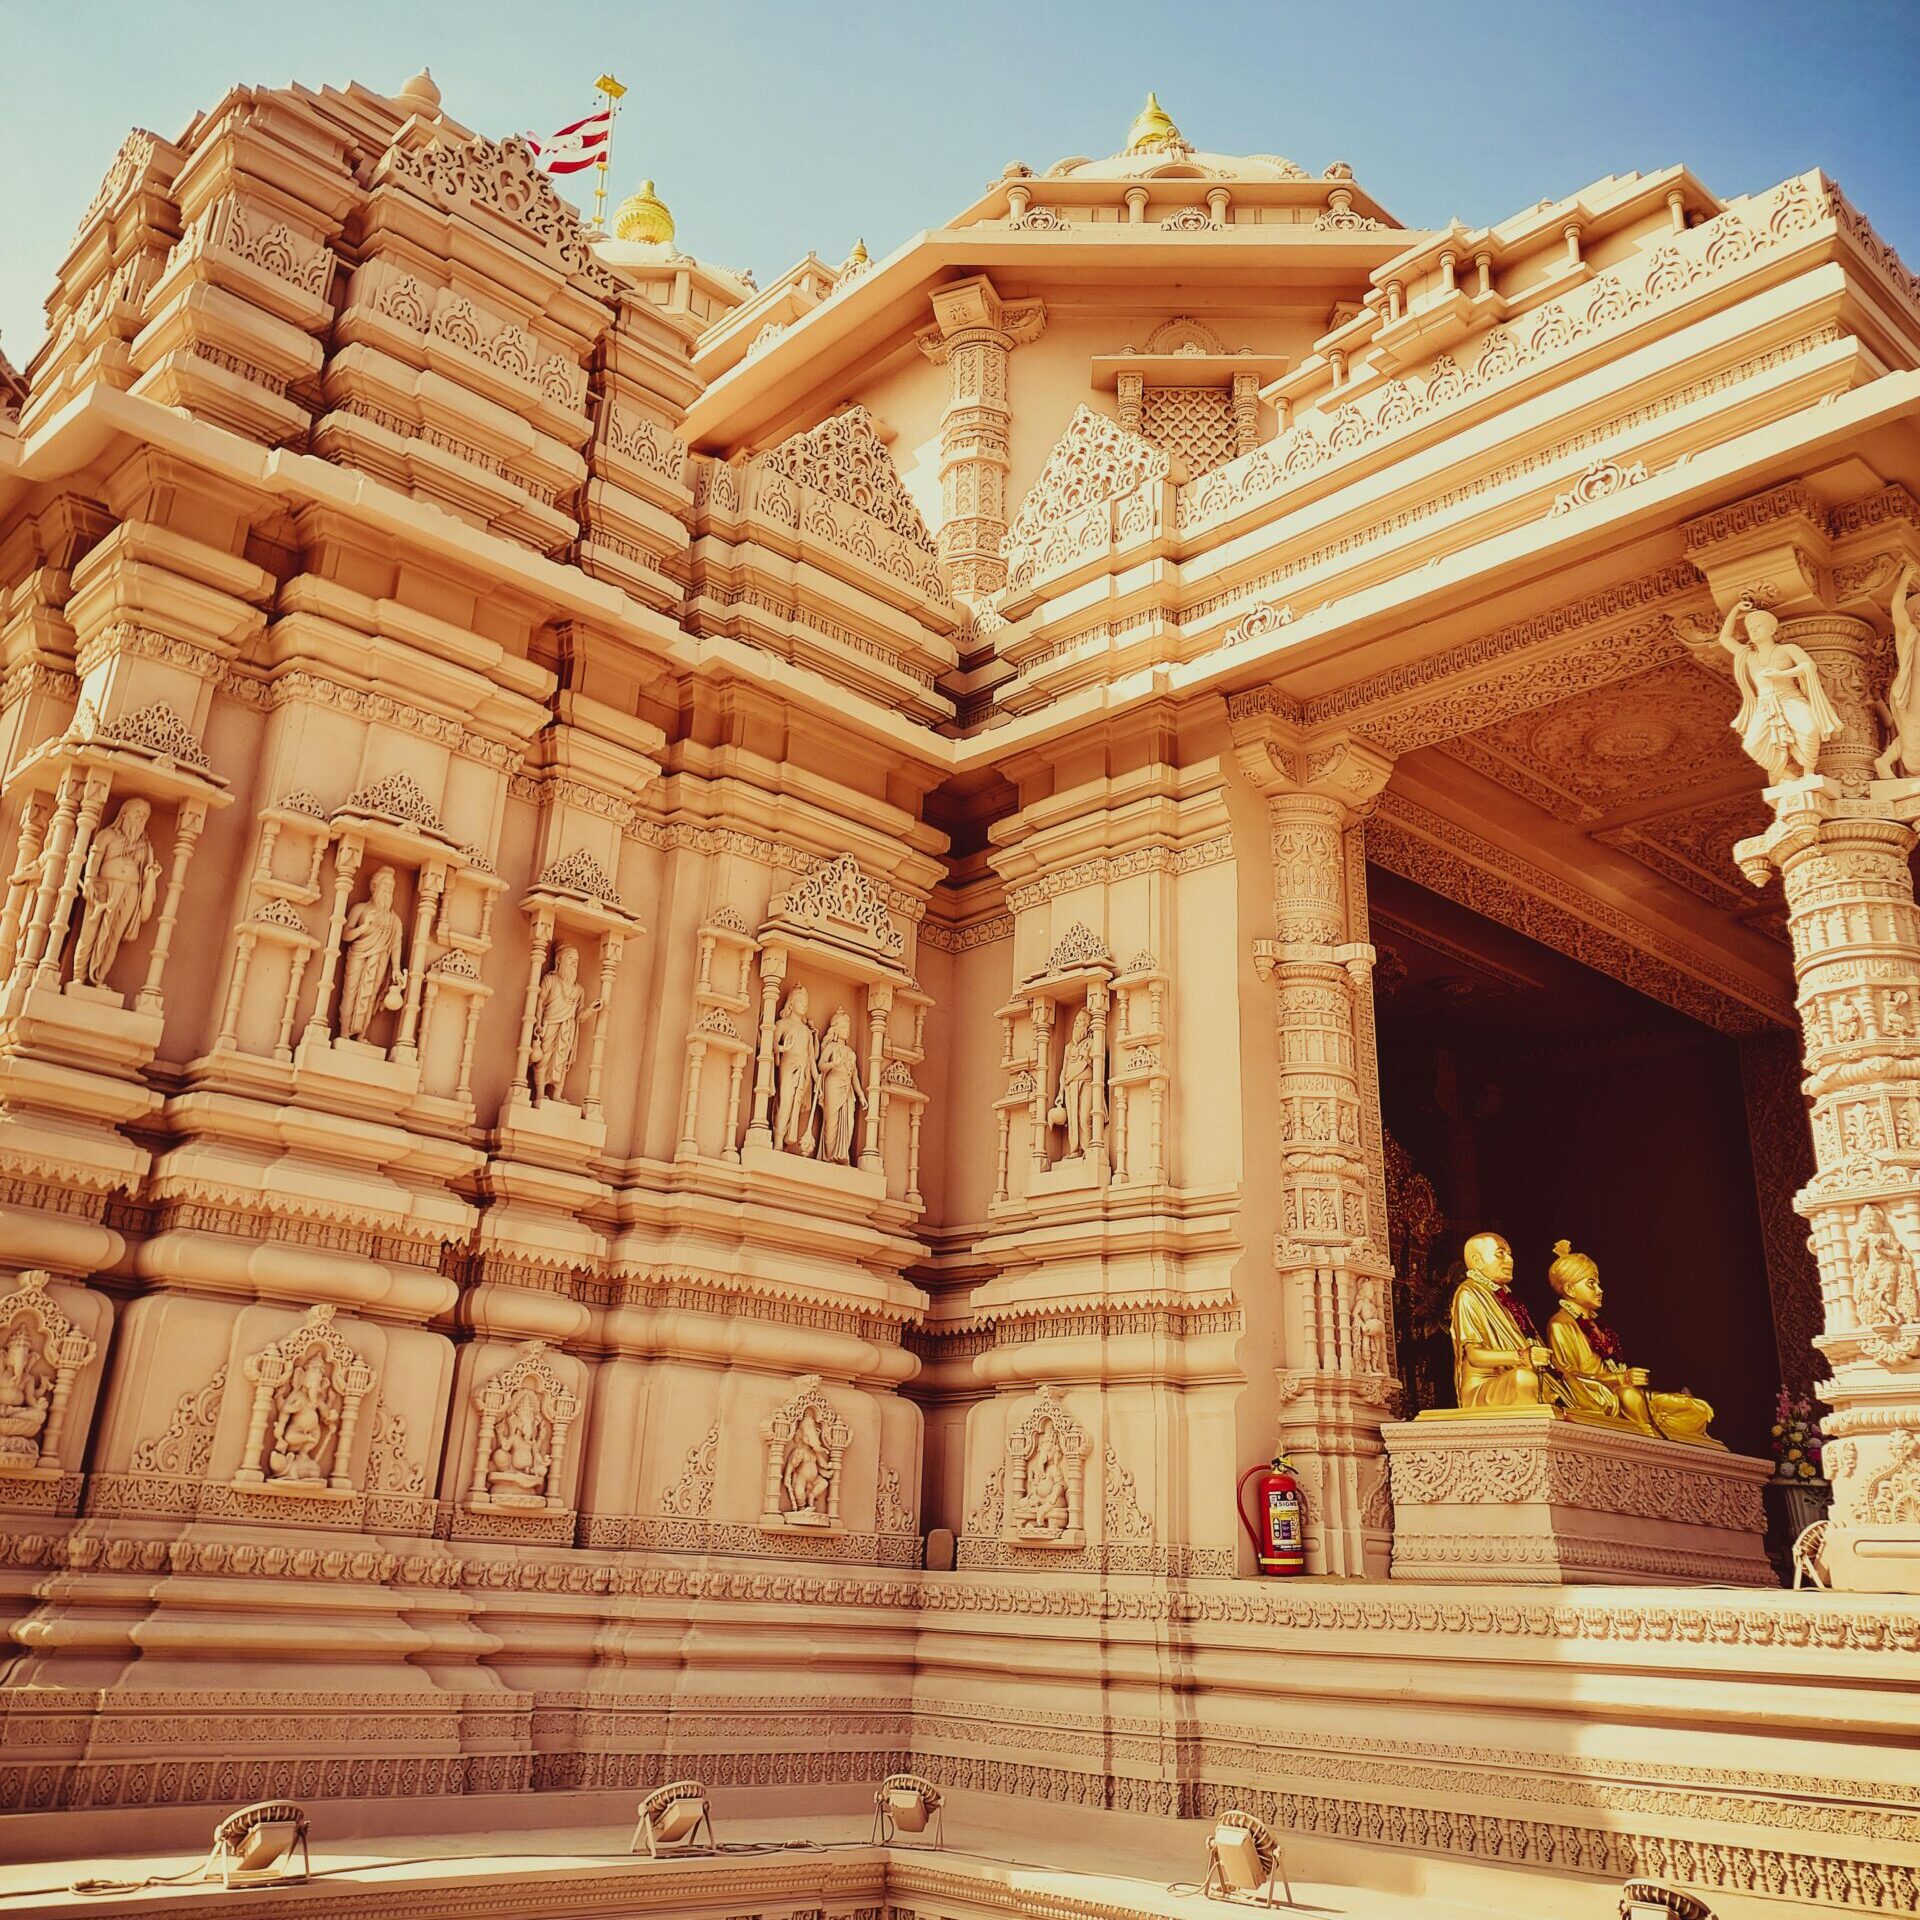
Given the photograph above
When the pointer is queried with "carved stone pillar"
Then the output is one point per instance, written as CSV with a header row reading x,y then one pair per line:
x,y
974,337
1841,841
1330,1253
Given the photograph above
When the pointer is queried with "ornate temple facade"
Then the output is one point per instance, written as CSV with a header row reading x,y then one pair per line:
x,y
785,967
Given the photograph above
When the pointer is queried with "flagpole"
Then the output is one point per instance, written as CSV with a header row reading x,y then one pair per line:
x,y
612,91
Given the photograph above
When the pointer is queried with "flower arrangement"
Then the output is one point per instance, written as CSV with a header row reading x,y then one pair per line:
x,y
1796,1437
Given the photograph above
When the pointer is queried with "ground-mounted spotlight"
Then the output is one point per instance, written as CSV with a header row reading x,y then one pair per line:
x,y
905,1803
1243,1857
670,1816
252,1848
1649,1900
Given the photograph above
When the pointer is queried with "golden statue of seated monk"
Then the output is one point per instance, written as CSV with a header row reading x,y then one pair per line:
x,y
1498,1361
1588,1357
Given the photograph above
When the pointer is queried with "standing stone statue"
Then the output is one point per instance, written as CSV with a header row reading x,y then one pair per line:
x,y
556,1025
118,886
796,1056
1901,708
375,943
1073,1101
840,1091
1785,717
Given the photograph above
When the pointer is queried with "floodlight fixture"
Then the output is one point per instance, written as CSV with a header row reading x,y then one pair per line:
x,y
671,1816
1650,1900
1243,1857
907,1803
250,1847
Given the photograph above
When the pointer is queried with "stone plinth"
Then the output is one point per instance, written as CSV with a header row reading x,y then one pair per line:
x,y
1547,1499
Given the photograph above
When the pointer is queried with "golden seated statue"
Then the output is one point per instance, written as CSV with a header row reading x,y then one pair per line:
x,y
1499,1362
1588,1358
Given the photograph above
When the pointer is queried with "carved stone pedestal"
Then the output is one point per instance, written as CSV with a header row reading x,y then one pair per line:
x,y
1546,1499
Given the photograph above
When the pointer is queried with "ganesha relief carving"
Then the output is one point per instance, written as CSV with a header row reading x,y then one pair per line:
x,y
806,1445
1045,1485
526,1413
307,1391
41,1353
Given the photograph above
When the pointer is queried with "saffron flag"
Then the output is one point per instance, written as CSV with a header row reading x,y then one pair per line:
x,y
577,147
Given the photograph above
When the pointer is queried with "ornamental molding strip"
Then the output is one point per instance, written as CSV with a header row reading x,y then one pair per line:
x,y
838,903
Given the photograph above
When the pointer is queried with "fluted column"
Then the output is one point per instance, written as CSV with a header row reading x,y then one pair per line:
x,y
1336,1381
974,336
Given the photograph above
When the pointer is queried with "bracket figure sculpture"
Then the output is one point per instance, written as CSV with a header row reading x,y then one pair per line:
x,y
1785,717
806,1446
1901,708
1046,1477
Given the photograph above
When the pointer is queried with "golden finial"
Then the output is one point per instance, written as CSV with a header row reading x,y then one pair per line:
x,y
1151,126
857,258
643,217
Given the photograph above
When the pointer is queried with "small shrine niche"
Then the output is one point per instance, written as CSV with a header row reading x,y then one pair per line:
x,y
806,1447
1060,1081
392,984
525,1413
580,927
827,1063
42,1353
110,815
308,1388
1045,1502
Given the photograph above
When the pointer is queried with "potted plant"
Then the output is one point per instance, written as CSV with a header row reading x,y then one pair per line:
x,y
1804,1493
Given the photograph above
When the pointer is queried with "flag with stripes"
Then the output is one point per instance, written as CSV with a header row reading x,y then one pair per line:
x,y
576,147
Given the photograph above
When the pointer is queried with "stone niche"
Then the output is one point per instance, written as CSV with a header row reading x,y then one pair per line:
x,y
53,1341
270,1413
512,1446
841,1025
693,1459
1520,1499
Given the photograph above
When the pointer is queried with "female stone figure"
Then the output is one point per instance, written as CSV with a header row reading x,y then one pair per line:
x,y
118,885
1885,1290
556,1025
796,1056
375,938
1785,717
840,1090
1901,708
1073,1102
304,1426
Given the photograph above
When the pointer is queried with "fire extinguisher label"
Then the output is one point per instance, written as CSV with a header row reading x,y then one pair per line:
x,y
1283,1521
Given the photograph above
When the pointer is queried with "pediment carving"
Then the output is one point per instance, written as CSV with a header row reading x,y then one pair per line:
x,y
500,178
845,458
836,901
1092,461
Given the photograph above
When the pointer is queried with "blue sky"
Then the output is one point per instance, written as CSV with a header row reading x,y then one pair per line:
x,y
774,127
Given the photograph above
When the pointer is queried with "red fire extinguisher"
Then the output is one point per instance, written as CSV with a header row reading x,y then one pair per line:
x,y
1280,1539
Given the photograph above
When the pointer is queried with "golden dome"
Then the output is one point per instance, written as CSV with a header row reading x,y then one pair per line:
x,y
1151,126
643,217
857,258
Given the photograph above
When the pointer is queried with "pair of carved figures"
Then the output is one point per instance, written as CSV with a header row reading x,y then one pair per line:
x,y
818,1078
117,891
1785,716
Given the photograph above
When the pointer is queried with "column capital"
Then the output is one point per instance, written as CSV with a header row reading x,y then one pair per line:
x,y
975,307
1282,760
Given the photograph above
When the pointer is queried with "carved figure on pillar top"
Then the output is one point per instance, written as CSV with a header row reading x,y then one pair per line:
x,y
1785,716
1901,708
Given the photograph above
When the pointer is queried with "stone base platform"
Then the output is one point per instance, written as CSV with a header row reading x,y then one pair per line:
x,y
1542,1497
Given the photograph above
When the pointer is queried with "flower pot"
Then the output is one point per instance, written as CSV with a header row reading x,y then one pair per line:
x,y
1802,1502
